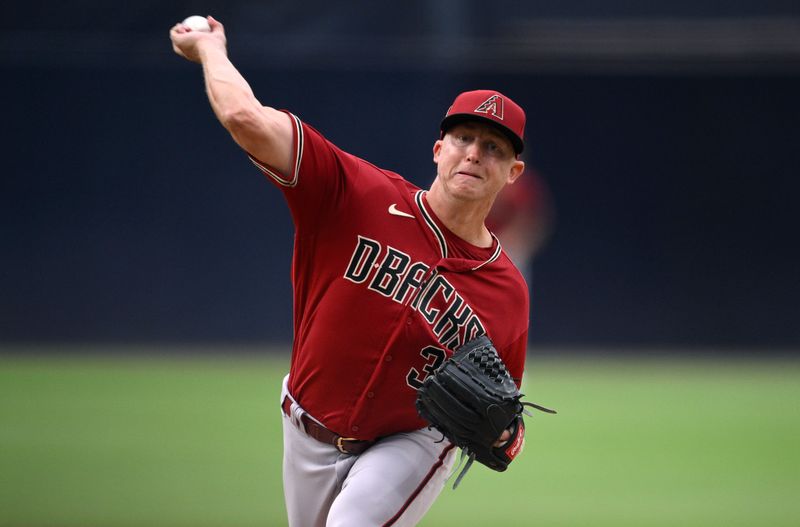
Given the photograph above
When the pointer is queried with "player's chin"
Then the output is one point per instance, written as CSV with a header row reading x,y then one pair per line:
x,y
469,192
468,186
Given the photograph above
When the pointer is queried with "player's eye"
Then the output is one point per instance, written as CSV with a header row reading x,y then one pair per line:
x,y
494,148
463,137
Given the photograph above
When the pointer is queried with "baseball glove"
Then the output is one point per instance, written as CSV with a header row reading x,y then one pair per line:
x,y
472,399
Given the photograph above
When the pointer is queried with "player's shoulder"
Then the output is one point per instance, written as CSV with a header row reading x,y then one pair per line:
x,y
367,173
314,135
390,175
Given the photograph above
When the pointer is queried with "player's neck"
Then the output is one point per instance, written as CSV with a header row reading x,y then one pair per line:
x,y
464,219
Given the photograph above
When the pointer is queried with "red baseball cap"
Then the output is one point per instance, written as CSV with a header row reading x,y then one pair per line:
x,y
488,106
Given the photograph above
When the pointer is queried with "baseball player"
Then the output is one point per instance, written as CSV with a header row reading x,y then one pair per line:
x,y
388,280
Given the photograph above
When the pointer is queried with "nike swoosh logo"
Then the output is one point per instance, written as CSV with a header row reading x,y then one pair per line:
x,y
393,210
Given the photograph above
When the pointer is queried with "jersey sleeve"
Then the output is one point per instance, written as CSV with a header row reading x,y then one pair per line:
x,y
320,178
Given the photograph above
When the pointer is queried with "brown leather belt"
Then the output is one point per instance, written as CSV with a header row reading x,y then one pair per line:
x,y
345,445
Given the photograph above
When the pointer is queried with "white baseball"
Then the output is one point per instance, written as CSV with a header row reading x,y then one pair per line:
x,y
197,23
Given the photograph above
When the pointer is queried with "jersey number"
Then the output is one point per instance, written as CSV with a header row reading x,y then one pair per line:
x,y
433,359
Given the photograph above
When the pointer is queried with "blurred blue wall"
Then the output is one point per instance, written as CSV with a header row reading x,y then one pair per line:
x,y
128,215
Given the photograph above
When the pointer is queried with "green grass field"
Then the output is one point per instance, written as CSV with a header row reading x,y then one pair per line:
x,y
196,442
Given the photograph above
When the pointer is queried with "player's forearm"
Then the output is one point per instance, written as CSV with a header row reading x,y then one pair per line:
x,y
263,132
228,92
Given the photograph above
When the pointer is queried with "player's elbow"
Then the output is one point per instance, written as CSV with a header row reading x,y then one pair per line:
x,y
247,127
238,119
262,132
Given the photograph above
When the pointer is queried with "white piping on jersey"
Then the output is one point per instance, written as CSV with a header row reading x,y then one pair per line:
x,y
440,235
494,257
298,157
431,224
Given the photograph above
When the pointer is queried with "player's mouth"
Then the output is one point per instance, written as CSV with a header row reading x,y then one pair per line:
x,y
468,174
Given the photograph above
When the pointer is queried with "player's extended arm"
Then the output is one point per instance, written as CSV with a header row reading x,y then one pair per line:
x,y
263,132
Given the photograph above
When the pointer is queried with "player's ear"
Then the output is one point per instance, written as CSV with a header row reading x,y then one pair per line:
x,y
437,147
516,171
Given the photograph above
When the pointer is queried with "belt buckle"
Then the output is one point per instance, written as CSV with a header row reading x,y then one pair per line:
x,y
339,443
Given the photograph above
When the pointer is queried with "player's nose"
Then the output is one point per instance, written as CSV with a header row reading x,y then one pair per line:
x,y
473,152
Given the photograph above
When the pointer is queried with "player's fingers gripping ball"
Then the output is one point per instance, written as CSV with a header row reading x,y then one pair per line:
x,y
472,399
197,23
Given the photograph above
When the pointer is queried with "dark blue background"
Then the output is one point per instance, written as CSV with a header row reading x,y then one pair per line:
x,y
128,215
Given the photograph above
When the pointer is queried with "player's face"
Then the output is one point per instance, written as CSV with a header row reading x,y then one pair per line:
x,y
475,161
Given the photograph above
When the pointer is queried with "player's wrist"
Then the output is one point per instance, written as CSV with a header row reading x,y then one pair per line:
x,y
209,50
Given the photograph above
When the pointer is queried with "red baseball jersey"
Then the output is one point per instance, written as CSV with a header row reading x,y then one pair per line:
x,y
383,291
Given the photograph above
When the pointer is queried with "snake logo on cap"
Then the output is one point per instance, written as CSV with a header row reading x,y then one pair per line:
x,y
492,105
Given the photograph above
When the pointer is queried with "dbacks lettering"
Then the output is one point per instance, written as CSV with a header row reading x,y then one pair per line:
x,y
391,273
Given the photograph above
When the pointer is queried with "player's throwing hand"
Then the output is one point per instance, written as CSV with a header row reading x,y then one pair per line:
x,y
189,44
